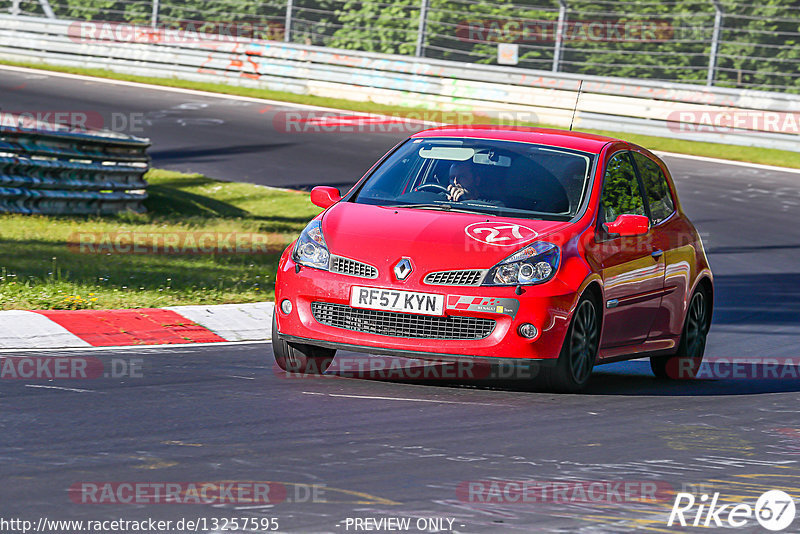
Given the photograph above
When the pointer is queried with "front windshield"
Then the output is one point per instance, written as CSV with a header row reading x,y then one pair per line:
x,y
502,178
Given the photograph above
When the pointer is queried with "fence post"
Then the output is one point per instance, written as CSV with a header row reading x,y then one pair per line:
x,y
15,8
712,60
154,17
48,11
287,27
423,20
562,19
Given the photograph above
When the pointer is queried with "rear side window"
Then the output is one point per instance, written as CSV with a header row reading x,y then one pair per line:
x,y
656,188
621,193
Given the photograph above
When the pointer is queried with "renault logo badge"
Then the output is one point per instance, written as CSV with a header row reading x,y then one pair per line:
x,y
403,269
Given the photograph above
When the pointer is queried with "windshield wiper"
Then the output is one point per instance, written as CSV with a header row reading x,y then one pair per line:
x,y
441,207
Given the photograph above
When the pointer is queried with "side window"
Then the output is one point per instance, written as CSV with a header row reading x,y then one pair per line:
x,y
656,188
620,189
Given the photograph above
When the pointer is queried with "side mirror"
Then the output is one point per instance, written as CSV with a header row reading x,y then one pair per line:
x,y
325,196
628,225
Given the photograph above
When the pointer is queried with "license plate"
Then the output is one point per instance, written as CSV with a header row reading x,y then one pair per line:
x,y
372,298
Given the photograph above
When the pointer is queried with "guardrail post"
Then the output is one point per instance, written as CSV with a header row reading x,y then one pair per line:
x,y
48,11
15,8
712,59
562,19
287,27
423,19
154,17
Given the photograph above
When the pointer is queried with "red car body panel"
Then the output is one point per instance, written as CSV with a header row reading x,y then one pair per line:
x,y
651,292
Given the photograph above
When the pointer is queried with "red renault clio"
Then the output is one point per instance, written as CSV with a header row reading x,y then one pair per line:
x,y
557,249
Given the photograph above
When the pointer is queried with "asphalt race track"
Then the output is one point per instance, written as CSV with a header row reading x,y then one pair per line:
x,y
374,448
223,138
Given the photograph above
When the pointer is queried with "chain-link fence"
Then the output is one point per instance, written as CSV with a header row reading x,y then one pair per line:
x,y
726,43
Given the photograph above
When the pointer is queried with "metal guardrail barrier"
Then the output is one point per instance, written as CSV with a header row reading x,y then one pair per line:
x,y
684,111
729,43
48,169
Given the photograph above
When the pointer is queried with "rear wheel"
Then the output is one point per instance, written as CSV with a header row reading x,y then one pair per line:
x,y
299,358
579,352
685,363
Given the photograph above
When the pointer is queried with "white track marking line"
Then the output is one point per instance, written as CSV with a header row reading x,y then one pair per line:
x,y
728,162
375,397
279,103
61,388
242,377
195,92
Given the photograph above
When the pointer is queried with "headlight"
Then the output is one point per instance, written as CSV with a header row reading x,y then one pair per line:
x,y
310,249
534,264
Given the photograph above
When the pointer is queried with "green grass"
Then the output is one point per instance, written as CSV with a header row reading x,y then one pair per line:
x,y
764,156
41,266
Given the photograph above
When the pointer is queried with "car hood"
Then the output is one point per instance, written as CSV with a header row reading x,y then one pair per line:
x,y
434,240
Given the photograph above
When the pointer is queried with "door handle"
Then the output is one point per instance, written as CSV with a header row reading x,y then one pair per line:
x,y
657,253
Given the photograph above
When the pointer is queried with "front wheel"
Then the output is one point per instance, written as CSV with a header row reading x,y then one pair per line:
x,y
685,363
579,352
298,358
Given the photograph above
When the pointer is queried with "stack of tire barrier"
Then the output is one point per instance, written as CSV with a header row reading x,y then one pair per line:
x,y
50,169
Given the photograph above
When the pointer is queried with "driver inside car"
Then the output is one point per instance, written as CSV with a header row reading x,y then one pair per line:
x,y
465,183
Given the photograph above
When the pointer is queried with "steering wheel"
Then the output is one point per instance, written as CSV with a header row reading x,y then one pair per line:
x,y
431,186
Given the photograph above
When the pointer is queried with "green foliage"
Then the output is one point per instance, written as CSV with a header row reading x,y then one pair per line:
x,y
88,9
471,31
759,46
649,40
377,27
627,38
314,21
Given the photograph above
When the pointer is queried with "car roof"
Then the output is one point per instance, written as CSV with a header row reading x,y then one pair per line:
x,y
546,136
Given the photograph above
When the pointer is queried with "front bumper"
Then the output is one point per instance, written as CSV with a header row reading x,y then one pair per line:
x,y
548,307
432,356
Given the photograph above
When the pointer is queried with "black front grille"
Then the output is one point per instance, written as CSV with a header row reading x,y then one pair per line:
x,y
386,323
352,267
470,277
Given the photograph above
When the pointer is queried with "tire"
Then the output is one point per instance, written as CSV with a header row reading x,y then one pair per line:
x,y
579,352
685,363
297,358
